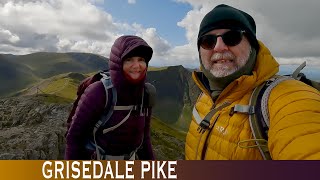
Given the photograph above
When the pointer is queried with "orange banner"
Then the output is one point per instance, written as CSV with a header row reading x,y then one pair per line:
x,y
18,169
184,170
40,169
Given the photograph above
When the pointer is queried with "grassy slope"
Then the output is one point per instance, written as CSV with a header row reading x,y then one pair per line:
x,y
168,129
168,143
185,118
151,68
63,85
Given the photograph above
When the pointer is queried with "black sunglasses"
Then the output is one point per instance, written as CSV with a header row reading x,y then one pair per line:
x,y
230,38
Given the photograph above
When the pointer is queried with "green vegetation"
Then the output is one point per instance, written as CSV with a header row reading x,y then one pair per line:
x,y
49,98
14,76
55,85
167,110
156,68
185,118
160,125
168,143
91,74
64,87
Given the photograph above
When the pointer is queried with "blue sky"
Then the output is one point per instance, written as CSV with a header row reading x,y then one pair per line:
x,y
162,14
289,28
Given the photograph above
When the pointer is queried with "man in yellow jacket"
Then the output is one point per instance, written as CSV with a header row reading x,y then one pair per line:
x,y
233,63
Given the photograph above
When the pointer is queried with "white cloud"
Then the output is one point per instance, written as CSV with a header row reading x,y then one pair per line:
x,y
73,25
160,46
131,1
289,29
7,36
311,61
10,49
45,25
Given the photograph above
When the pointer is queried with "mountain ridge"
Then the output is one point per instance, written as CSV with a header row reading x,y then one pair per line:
x,y
172,107
24,70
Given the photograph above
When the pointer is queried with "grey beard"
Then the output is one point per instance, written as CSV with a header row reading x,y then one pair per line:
x,y
225,70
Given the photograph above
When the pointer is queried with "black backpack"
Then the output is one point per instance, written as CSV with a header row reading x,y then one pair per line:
x,y
111,101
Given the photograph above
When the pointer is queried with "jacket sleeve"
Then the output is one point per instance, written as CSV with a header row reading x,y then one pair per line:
x,y
146,152
90,107
294,131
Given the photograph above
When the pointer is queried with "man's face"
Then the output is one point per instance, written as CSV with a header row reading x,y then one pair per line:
x,y
223,60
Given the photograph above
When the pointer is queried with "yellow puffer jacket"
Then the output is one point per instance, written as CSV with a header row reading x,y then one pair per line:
x,y
294,110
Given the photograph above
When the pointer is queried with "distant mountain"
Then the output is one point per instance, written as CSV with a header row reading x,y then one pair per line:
x,y
173,107
176,93
44,64
61,73
19,71
14,76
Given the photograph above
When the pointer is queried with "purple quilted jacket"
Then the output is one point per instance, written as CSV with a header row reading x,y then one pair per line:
x,y
130,135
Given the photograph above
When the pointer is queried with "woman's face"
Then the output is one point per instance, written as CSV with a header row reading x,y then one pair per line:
x,y
135,67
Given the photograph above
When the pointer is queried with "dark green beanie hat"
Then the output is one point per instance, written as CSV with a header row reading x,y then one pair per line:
x,y
227,17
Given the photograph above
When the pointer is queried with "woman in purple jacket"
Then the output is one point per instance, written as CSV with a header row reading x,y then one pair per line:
x,y
128,62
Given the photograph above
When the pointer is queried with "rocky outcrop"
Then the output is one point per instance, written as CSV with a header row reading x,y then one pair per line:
x,y
33,127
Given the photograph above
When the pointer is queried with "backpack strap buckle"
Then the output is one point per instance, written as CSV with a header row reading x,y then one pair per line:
x,y
244,109
203,126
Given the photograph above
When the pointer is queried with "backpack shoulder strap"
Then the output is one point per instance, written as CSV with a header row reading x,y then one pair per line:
x,y
258,110
151,94
259,120
111,100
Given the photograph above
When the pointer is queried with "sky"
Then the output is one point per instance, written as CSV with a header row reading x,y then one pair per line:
x,y
289,28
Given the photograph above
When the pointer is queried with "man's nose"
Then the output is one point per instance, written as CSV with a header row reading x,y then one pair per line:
x,y
220,45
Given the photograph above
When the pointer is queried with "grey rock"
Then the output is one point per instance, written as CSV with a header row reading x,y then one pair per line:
x,y
31,128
